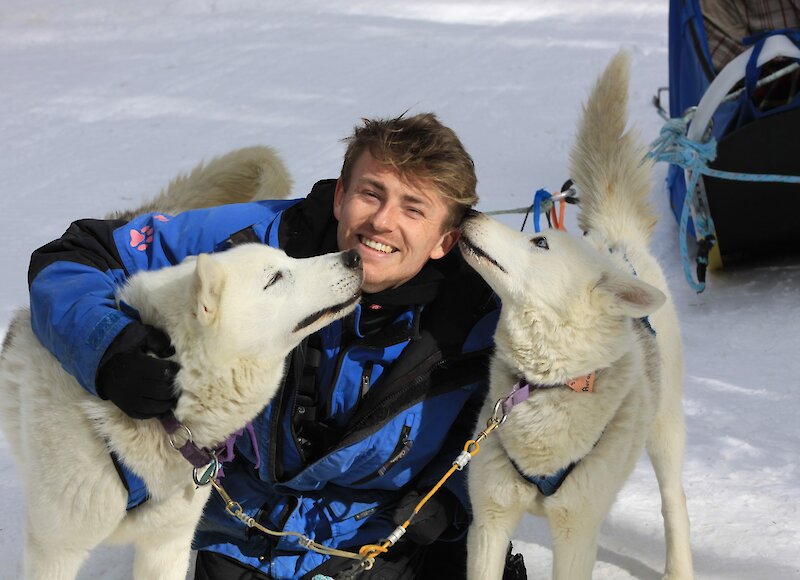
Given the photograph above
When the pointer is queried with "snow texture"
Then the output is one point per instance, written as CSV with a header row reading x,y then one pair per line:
x,y
103,102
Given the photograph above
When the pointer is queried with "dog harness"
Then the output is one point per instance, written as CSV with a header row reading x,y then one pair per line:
x,y
546,484
134,485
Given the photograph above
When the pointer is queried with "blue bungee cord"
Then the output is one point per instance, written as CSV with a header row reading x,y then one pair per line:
x,y
673,146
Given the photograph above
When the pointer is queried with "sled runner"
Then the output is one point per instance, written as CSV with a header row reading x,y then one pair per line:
x,y
732,138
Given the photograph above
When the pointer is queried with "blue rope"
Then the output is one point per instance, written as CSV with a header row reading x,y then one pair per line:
x,y
541,196
672,146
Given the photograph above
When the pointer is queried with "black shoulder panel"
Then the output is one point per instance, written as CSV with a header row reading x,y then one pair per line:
x,y
308,228
89,242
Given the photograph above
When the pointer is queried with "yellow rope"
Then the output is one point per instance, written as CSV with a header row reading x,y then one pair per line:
x,y
235,509
472,447
367,553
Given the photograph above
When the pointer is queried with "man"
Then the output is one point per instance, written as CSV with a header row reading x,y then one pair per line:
x,y
373,408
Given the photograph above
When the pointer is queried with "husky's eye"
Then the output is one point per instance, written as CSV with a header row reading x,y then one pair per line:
x,y
540,242
274,278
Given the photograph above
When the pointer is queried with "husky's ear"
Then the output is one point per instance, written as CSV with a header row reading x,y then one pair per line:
x,y
209,283
624,294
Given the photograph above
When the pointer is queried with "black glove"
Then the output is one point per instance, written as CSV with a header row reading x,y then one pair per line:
x,y
432,520
139,384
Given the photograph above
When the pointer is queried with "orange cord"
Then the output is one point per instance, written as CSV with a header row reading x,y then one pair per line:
x,y
558,219
472,447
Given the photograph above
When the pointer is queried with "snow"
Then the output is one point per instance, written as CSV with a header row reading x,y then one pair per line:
x,y
103,102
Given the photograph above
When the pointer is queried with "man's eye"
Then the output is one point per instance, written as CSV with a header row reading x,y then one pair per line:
x,y
277,276
540,242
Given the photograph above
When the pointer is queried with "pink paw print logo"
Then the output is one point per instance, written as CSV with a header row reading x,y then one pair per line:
x,y
141,238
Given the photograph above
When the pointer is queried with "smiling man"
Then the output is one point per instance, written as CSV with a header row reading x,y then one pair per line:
x,y
373,409
395,217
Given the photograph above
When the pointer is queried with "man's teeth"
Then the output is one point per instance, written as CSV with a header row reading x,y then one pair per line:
x,y
377,246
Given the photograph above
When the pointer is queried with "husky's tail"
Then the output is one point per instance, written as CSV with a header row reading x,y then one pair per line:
x,y
240,176
608,164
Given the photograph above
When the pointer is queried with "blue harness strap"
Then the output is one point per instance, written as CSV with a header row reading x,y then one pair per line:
x,y
134,485
547,484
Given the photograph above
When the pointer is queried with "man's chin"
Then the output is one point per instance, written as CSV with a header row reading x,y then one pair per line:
x,y
373,283
373,286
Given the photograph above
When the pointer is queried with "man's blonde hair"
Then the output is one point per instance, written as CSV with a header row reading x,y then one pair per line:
x,y
419,148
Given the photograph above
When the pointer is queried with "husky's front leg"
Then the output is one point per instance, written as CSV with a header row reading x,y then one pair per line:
x,y
163,535
163,557
487,542
50,562
496,513
64,525
574,548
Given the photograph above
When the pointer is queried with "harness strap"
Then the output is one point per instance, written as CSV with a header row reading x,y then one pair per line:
x,y
191,452
547,484
134,485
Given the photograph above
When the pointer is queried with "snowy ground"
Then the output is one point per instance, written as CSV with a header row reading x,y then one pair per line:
x,y
102,102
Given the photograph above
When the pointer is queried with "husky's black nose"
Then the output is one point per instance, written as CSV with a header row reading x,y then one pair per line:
x,y
351,259
470,213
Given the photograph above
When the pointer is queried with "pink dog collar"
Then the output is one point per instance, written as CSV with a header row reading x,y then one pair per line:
x,y
522,389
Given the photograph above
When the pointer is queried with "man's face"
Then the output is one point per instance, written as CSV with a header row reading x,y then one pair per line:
x,y
396,225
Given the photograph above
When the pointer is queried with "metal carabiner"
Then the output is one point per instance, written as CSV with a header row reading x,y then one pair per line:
x,y
171,437
498,410
211,471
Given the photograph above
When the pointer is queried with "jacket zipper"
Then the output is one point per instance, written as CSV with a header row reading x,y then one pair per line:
x,y
387,400
401,449
343,352
366,377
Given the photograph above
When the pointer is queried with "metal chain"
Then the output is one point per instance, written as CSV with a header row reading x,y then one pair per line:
x,y
235,510
366,554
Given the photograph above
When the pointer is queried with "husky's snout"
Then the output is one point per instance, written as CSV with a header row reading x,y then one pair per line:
x,y
351,259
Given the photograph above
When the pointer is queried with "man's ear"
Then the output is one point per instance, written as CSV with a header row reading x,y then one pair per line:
x,y
209,284
624,294
446,243
338,199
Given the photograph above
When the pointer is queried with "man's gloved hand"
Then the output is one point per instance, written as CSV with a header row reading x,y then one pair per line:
x,y
432,520
139,384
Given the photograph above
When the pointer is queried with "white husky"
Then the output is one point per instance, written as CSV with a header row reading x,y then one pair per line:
x,y
233,318
572,307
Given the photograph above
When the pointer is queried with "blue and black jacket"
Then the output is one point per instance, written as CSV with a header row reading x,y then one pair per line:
x,y
372,407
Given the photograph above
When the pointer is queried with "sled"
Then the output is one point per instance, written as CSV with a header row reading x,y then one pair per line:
x,y
732,140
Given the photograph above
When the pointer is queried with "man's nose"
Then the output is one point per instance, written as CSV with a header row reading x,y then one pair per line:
x,y
385,217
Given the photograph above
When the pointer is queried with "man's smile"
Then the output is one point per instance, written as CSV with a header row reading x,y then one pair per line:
x,y
377,246
396,225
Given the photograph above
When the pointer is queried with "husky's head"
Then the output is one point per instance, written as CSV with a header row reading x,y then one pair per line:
x,y
256,297
565,306
233,317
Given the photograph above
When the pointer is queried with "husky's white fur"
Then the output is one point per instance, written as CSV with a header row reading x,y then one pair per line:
x,y
571,306
232,317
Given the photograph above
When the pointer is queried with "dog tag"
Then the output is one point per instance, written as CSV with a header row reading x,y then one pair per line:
x,y
582,384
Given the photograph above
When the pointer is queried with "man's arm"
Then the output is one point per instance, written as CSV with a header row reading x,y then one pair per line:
x,y
72,283
73,280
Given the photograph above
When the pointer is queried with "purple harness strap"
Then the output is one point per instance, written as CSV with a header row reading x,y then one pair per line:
x,y
520,393
192,453
227,453
199,457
